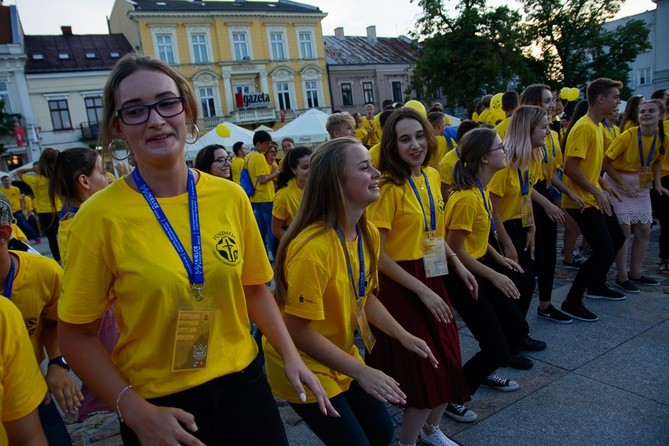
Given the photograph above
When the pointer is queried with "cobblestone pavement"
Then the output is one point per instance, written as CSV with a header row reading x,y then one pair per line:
x,y
102,429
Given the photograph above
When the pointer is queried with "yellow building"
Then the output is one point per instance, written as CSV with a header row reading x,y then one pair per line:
x,y
249,62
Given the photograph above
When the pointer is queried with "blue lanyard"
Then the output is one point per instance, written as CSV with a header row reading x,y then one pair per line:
x,y
362,284
611,129
457,152
194,269
524,182
545,153
650,154
449,141
485,203
64,211
433,217
9,282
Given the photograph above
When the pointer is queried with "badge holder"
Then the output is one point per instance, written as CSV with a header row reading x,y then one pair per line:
x,y
434,257
363,325
645,180
526,211
191,339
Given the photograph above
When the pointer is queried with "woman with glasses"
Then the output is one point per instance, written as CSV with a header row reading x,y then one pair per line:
x,y
493,316
183,259
215,160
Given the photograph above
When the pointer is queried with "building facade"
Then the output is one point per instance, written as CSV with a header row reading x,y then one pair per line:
x,y
249,62
66,75
650,71
368,70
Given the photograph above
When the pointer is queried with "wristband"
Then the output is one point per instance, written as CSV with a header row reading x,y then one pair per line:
x,y
60,362
118,400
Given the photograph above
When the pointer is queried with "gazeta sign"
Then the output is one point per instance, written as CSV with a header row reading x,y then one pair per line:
x,y
252,100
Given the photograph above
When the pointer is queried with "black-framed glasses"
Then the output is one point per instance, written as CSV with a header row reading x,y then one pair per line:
x,y
139,114
500,147
225,160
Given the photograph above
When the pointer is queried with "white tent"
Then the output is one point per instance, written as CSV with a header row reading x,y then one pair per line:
x,y
309,127
237,133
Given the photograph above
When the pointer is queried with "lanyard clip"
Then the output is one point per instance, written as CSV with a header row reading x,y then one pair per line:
x,y
197,288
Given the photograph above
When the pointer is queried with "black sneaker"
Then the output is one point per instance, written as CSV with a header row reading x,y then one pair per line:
x,y
553,314
605,293
520,362
501,384
575,265
529,344
578,311
627,286
460,412
644,280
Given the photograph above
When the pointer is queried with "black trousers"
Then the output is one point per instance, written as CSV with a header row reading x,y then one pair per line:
x,y
661,211
524,281
49,223
545,247
605,237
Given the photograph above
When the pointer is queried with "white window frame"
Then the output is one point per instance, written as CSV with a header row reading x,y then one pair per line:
x,y
199,31
208,80
287,90
306,30
341,93
284,76
392,92
308,89
282,43
166,31
211,96
239,29
362,86
647,77
4,95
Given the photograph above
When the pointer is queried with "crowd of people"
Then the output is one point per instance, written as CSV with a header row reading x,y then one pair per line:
x,y
163,306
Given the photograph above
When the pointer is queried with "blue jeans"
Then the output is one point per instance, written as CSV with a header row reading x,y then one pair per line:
x,y
233,409
263,215
26,227
53,425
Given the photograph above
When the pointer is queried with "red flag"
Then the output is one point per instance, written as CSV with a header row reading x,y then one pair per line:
x,y
20,135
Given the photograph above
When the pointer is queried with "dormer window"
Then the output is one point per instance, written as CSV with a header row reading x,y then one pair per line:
x,y
114,54
90,56
38,56
63,56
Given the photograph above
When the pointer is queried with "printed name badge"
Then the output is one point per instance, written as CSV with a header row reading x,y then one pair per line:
x,y
367,335
526,211
645,180
191,340
434,257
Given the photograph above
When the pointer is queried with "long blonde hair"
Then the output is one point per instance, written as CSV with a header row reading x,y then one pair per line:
x,y
518,141
324,202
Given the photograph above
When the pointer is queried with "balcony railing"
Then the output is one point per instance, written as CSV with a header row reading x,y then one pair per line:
x,y
257,115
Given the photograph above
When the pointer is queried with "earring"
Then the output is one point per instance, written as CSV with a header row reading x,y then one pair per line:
x,y
118,145
194,133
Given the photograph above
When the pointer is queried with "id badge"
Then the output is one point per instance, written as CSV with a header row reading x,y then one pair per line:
x,y
645,180
367,335
191,340
526,211
434,257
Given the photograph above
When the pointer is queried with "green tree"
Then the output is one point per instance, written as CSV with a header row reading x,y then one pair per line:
x,y
479,51
574,45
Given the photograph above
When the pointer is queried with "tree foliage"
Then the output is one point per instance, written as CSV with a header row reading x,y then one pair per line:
x,y
479,51
574,45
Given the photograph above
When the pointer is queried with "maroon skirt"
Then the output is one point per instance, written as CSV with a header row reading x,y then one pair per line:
x,y
425,386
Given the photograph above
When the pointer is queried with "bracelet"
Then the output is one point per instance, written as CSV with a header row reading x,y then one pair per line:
x,y
452,255
118,400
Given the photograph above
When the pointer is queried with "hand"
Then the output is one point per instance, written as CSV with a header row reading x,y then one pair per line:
x,y
124,169
556,214
511,264
603,203
506,286
380,386
614,193
663,191
437,306
298,374
63,388
419,347
155,425
529,243
630,190
467,277
578,200
510,251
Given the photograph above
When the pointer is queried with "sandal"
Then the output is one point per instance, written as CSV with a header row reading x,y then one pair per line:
x,y
664,267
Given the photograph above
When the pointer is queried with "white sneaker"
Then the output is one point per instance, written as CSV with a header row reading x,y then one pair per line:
x,y
436,438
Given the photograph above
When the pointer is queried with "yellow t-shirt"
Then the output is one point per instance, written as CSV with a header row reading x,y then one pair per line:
x,y
375,153
628,125
399,212
13,194
624,150
236,166
117,246
465,211
487,117
40,186
506,184
442,149
36,292
502,127
585,142
374,136
446,166
287,201
475,117
22,386
610,133
547,160
18,234
320,290
257,165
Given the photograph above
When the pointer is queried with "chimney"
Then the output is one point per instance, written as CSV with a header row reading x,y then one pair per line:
x,y
371,33
339,31
66,30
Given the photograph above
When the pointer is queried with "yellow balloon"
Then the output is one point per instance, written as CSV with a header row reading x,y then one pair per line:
x,y
498,113
564,93
496,102
222,130
574,93
418,106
